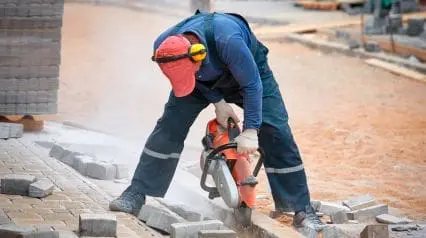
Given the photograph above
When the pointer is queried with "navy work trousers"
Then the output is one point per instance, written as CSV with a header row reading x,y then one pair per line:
x,y
283,164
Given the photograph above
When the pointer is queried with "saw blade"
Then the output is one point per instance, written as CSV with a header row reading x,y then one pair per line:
x,y
225,184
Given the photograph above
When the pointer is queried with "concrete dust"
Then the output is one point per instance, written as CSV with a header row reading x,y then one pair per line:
x,y
360,129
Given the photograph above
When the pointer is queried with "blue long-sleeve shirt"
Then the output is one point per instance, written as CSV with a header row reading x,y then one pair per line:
x,y
233,43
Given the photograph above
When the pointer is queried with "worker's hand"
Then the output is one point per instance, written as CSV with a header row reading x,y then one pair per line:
x,y
247,142
223,112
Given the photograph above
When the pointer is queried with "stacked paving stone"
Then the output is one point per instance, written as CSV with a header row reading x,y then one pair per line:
x,y
89,166
30,37
180,221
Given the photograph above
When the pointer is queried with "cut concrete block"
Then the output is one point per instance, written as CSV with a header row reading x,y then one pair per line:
x,y
148,210
17,184
12,230
370,213
191,229
217,234
328,208
100,170
98,225
41,188
121,171
389,219
360,202
80,163
186,212
375,231
164,221
339,217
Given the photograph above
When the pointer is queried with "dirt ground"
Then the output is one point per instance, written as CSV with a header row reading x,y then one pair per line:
x,y
360,129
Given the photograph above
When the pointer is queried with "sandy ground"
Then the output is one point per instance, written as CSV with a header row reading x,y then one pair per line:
x,y
360,129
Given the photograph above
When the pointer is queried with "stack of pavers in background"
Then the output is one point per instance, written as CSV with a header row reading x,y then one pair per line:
x,y
30,49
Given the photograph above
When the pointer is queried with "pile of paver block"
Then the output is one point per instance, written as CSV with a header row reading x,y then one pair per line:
x,y
26,185
30,49
11,130
180,221
359,216
89,166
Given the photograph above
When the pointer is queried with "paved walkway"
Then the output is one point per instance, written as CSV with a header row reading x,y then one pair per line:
x,y
73,193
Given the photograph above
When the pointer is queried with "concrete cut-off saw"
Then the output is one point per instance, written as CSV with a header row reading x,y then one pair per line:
x,y
232,173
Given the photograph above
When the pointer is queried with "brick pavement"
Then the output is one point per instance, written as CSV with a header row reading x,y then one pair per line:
x,y
72,196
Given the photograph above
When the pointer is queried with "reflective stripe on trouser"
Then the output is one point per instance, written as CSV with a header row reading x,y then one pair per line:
x,y
161,153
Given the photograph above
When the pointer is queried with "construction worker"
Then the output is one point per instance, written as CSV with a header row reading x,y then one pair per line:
x,y
215,58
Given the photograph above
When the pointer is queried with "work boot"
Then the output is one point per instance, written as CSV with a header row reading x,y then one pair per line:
x,y
130,201
308,219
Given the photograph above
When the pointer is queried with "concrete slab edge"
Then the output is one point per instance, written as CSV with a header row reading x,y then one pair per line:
x,y
328,47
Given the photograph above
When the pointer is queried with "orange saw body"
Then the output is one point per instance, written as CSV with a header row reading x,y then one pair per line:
x,y
232,172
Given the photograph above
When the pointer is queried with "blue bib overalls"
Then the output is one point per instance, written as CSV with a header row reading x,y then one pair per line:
x,y
283,164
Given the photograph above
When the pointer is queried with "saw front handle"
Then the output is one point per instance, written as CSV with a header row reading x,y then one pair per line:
x,y
214,155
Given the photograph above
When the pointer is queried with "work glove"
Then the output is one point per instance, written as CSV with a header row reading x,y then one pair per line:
x,y
247,142
223,112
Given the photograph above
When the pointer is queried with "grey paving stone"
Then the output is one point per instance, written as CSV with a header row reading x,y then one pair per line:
x,y
69,158
375,231
29,72
191,229
164,221
360,202
148,210
217,234
40,234
339,217
28,108
121,171
13,231
100,170
23,97
370,213
80,163
41,188
67,234
186,212
30,22
30,10
17,184
57,152
31,84
98,225
11,130
328,207
389,219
